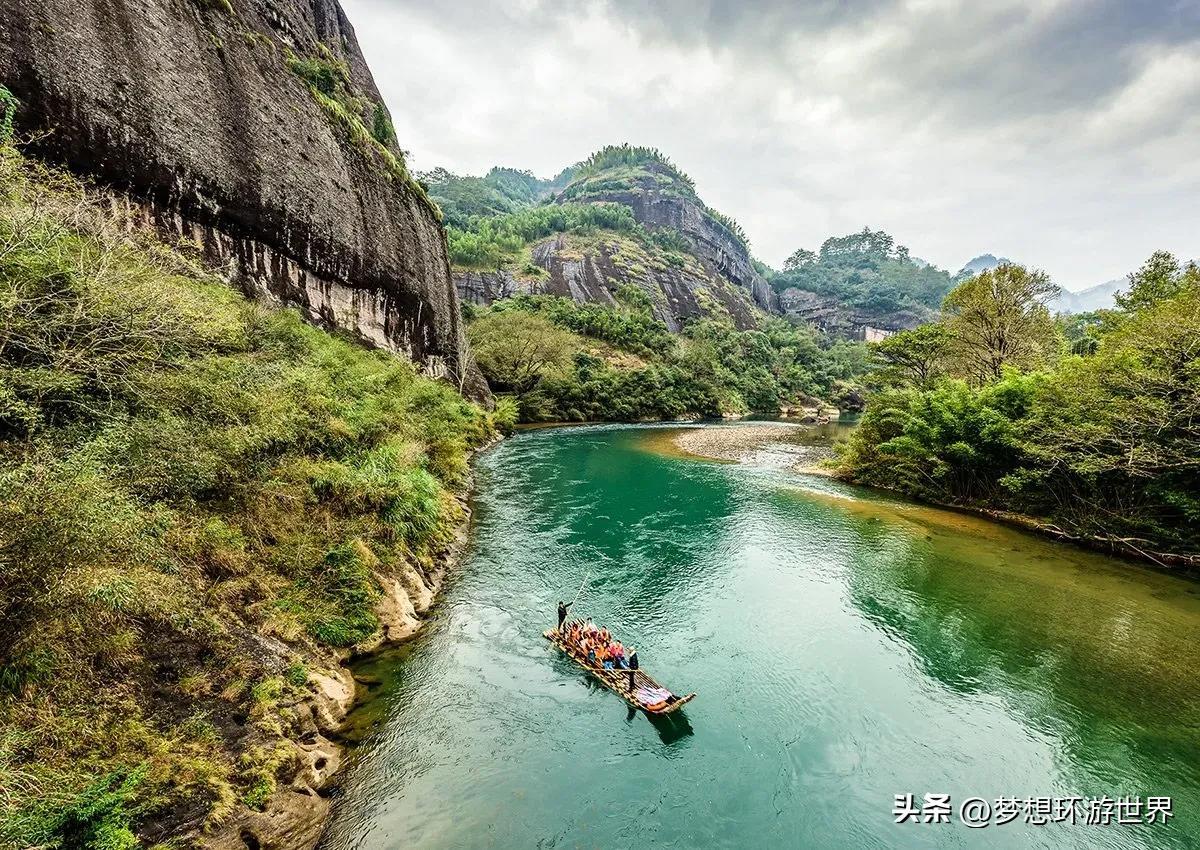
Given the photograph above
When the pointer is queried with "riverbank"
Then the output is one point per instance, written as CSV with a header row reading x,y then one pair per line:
x,y
296,816
750,442
777,444
205,519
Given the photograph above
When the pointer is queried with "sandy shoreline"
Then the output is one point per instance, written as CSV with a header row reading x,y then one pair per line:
x,y
750,443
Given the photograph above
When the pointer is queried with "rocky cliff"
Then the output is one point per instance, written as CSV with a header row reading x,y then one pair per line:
x,y
255,128
689,260
593,268
659,199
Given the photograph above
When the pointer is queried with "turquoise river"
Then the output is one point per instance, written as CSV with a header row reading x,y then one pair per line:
x,y
846,648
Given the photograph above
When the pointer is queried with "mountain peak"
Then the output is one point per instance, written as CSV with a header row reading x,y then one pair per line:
x,y
982,263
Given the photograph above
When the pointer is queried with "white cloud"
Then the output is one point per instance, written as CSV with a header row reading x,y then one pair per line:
x,y
1059,133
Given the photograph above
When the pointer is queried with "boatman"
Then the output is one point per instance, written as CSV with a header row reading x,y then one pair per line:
x,y
562,613
633,666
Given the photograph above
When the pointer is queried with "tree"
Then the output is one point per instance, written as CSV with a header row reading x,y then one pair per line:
x,y
912,357
867,244
800,258
1159,277
1115,437
999,318
517,349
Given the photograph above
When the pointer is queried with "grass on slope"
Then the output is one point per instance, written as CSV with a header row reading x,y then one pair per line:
x,y
197,496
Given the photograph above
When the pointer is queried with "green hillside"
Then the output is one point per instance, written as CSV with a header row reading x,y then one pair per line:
x,y
563,361
200,495
870,274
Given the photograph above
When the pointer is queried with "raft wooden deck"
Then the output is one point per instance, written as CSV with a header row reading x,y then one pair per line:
x,y
617,681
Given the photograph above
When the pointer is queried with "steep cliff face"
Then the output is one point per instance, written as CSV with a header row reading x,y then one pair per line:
x,y
201,111
688,259
659,201
590,269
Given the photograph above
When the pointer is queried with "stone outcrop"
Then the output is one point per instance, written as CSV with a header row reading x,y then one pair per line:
x,y
192,108
295,815
834,316
709,274
658,201
590,270
657,205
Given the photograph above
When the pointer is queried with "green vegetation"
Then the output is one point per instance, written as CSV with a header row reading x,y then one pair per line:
x,y
501,190
224,6
998,320
8,111
1090,425
869,272
381,127
189,480
631,157
629,168
565,361
490,242
366,122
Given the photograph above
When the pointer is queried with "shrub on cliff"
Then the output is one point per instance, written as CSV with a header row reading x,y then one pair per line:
x,y
187,479
489,241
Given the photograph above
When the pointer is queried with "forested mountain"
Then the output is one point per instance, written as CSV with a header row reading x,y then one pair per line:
x,y
615,292
512,233
626,215
861,279
501,190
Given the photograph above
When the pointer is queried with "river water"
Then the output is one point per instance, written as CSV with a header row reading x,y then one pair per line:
x,y
846,648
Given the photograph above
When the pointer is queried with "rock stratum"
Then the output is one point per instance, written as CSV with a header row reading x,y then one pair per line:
x,y
704,269
209,115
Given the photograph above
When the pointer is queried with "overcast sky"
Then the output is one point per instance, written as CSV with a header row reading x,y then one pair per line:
x,y
1061,133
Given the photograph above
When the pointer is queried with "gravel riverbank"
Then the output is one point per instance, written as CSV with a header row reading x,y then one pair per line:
x,y
774,444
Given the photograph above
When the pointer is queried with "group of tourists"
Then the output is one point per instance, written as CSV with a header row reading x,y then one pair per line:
x,y
596,644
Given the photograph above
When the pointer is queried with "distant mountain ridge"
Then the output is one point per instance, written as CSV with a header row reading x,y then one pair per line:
x,y
982,263
1098,297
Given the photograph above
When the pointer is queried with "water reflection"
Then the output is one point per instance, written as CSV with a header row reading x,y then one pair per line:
x,y
1103,670
671,728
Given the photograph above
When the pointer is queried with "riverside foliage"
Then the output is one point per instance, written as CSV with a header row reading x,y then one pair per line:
x,y
585,362
187,478
1098,434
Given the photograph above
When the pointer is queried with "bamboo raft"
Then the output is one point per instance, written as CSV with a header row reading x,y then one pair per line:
x,y
617,681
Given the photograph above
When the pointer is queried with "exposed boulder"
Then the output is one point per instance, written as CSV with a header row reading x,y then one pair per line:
x,y
194,109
